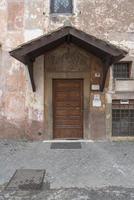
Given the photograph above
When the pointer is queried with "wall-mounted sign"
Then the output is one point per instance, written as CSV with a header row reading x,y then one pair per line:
x,y
95,87
124,101
96,101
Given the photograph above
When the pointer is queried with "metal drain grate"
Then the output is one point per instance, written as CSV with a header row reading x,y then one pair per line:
x,y
66,145
26,179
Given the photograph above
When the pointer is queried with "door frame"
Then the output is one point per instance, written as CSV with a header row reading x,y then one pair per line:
x,y
53,104
49,76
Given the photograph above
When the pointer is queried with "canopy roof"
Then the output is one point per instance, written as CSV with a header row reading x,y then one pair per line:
x,y
27,52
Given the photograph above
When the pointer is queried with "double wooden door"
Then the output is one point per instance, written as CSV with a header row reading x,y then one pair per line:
x,y
68,108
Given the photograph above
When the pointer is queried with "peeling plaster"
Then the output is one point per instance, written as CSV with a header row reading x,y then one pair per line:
x,y
31,34
105,19
14,67
1,92
3,4
128,45
35,101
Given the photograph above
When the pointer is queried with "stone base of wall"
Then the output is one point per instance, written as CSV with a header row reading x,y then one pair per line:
x,y
24,130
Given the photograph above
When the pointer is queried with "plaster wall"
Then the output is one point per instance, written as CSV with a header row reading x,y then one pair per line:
x,y
21,111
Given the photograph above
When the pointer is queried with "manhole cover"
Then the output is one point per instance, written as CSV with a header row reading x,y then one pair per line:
x,y
66,145
26,179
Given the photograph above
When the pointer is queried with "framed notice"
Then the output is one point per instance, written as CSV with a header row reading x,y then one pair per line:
x,y
96,101
95,87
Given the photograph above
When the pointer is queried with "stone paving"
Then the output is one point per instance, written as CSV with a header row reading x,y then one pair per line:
x,y
107,193
99,170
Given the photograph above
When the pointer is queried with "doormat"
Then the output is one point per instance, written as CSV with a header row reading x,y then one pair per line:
x,y
26,179
66,145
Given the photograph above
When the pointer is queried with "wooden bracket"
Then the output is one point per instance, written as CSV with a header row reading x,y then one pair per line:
x,y
106,62
31,74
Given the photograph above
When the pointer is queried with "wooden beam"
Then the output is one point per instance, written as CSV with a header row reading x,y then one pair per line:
x,y
44,43
98,43
31,74
68,39
39,43
107,62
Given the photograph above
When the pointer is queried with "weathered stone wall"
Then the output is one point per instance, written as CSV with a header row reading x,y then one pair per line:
x,y
21,111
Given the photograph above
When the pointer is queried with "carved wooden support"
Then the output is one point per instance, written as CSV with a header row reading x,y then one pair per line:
x,y
31,74
106,62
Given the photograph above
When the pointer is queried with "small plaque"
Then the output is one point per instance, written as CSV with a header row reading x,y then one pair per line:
x,y
124,101
95,87
97,101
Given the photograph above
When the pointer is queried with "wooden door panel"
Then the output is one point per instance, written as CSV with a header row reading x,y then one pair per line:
x,y
68,122
69,97
66,112
68,133
69,94
68,104
68,108
67,118
63,86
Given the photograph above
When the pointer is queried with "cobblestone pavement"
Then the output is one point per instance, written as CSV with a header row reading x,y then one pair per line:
x,y
108,193
71,174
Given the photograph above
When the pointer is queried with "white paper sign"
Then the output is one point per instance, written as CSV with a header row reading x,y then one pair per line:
x,y
95,87
97,101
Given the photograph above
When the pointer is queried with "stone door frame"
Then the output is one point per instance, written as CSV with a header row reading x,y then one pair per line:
x,y
49,76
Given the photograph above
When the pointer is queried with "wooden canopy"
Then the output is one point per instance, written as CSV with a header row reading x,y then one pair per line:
x,y
27,52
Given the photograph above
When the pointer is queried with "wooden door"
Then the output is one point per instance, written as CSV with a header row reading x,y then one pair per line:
x,y
68,108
